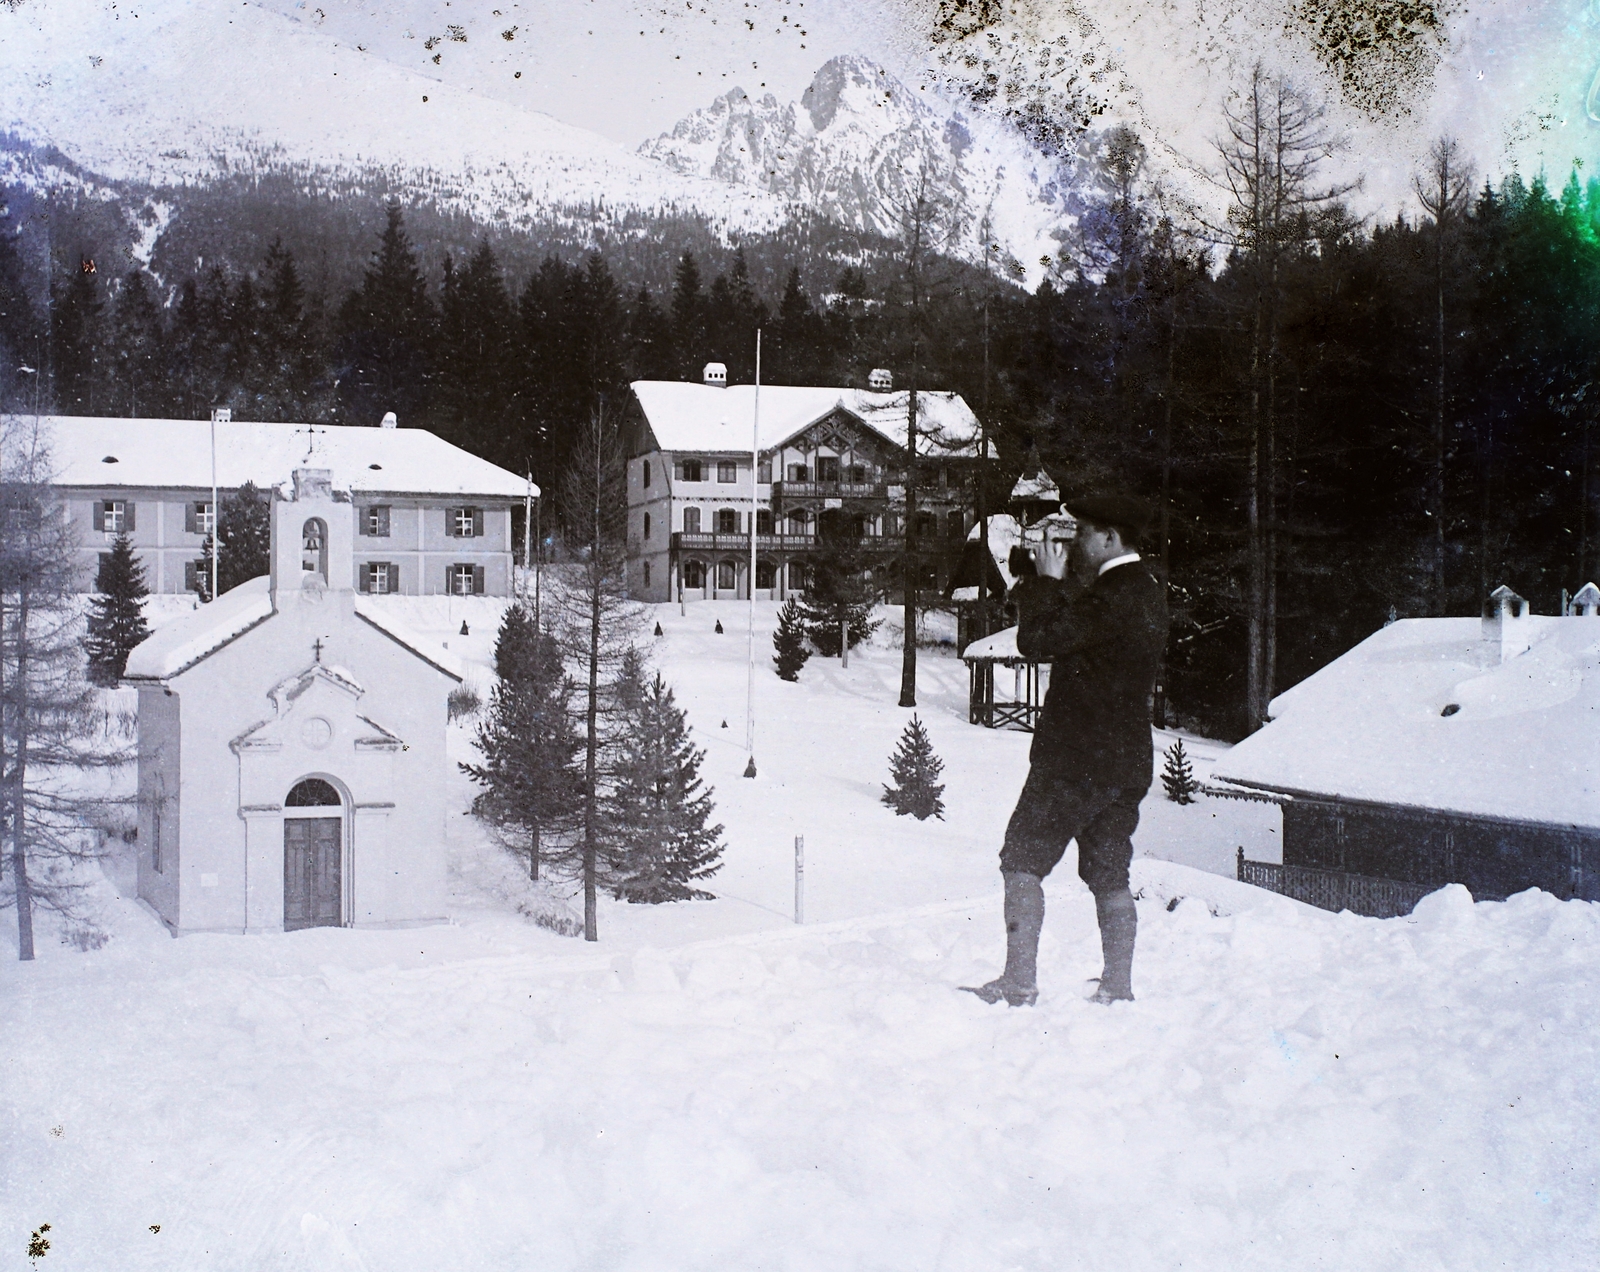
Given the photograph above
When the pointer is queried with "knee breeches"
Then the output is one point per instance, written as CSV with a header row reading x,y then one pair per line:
x,y
1052,811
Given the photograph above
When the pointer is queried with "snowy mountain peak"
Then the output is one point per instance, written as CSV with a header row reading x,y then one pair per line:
x,y
854,148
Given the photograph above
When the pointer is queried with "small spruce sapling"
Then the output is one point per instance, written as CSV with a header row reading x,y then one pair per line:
x,y
116,614
915,769
790,641
657,809
1177,776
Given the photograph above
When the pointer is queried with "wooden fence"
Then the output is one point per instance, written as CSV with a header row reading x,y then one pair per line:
x,y
1334,889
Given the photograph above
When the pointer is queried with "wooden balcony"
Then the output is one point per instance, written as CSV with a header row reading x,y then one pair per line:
x,y
829,490
684,541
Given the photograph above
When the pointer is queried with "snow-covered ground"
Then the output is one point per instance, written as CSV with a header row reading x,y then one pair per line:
x,y
712,1086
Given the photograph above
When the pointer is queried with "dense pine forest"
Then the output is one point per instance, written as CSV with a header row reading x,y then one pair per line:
x,y
1342,422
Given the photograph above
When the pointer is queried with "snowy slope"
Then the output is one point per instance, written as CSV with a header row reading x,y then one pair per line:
x,y
180,91
854,148
713,1087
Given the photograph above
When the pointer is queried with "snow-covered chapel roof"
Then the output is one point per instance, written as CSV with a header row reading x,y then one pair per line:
x,y
688,417
1424,713
95,452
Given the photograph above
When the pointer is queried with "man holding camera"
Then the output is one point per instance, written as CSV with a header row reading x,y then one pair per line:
x,y
1095,612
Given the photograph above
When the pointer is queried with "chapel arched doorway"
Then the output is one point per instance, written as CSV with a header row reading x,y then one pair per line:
x,y
313,853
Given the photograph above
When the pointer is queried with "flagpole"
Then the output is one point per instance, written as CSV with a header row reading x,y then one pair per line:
x,y
750,668
216,512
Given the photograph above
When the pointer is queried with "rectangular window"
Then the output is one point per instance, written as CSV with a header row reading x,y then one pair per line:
x,y
691,470
198,517
725,579
113,516
798,472
466,523
727,471
827,468
858,474
763,520
727,521
379,578
466,580
375,521
646,471
691,521
764,472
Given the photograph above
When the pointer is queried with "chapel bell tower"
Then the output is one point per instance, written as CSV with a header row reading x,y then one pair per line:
x,y
312,528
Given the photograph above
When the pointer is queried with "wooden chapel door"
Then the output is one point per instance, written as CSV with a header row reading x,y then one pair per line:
x,y
311,881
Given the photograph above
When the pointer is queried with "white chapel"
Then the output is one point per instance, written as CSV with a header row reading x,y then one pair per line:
x,y
292,745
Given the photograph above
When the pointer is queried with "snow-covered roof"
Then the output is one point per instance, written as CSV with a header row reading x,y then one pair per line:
x,y
157,453
1000,647
687,417
1005,533
1039,485
430,651
1523,741
178,645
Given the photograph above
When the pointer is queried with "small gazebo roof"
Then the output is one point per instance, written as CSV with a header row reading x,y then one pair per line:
x,y
999,648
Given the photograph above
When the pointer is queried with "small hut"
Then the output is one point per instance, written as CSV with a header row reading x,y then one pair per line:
x,y
1029,680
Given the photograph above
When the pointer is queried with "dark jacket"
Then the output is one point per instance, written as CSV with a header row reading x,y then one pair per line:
x,y
1104,641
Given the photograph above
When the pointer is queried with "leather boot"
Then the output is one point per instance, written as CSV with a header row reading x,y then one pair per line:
x,y
1119,925
1024,911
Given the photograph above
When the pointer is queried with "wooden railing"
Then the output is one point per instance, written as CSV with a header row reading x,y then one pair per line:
x,y
1334,889
829,490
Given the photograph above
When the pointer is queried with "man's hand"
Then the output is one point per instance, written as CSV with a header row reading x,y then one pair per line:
x,y
1051,557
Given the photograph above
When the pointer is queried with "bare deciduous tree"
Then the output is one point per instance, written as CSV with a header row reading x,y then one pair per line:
x,y
57,744
1274,145
1443,191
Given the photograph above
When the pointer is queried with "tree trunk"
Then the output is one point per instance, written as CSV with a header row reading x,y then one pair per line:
x,y
908,646
533,854
1436,485
1256,600
19,772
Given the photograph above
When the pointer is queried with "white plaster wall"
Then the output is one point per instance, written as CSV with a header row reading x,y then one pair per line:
x,y
400,880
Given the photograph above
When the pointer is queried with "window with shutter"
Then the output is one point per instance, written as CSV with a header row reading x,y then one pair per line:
x,y
691,521
727,471
467,522
764,472
375,521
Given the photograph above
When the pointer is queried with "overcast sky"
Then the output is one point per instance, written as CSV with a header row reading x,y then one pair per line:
x,y
627,69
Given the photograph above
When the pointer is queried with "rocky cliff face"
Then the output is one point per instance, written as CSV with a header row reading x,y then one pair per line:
x,y
859,145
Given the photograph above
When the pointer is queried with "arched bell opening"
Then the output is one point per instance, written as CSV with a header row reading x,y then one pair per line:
x,y
314,550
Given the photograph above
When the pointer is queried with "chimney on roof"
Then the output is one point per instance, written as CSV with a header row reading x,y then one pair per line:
x,y
1506,622
715,374
879,380
389,420
221,415
1586,601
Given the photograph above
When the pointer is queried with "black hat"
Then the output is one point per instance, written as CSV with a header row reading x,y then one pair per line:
x,y
1128,516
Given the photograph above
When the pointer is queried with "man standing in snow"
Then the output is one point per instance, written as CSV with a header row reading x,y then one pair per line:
x,y
1102,625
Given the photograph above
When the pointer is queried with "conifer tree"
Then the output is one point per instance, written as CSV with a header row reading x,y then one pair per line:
x,y
116,613
839,591
688,318
387,325
1177,775
76,339
657,808
532,788
915,769
790,641
246,530
136,365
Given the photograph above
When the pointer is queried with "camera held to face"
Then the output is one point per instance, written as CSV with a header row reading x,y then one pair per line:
x,y
1058,527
